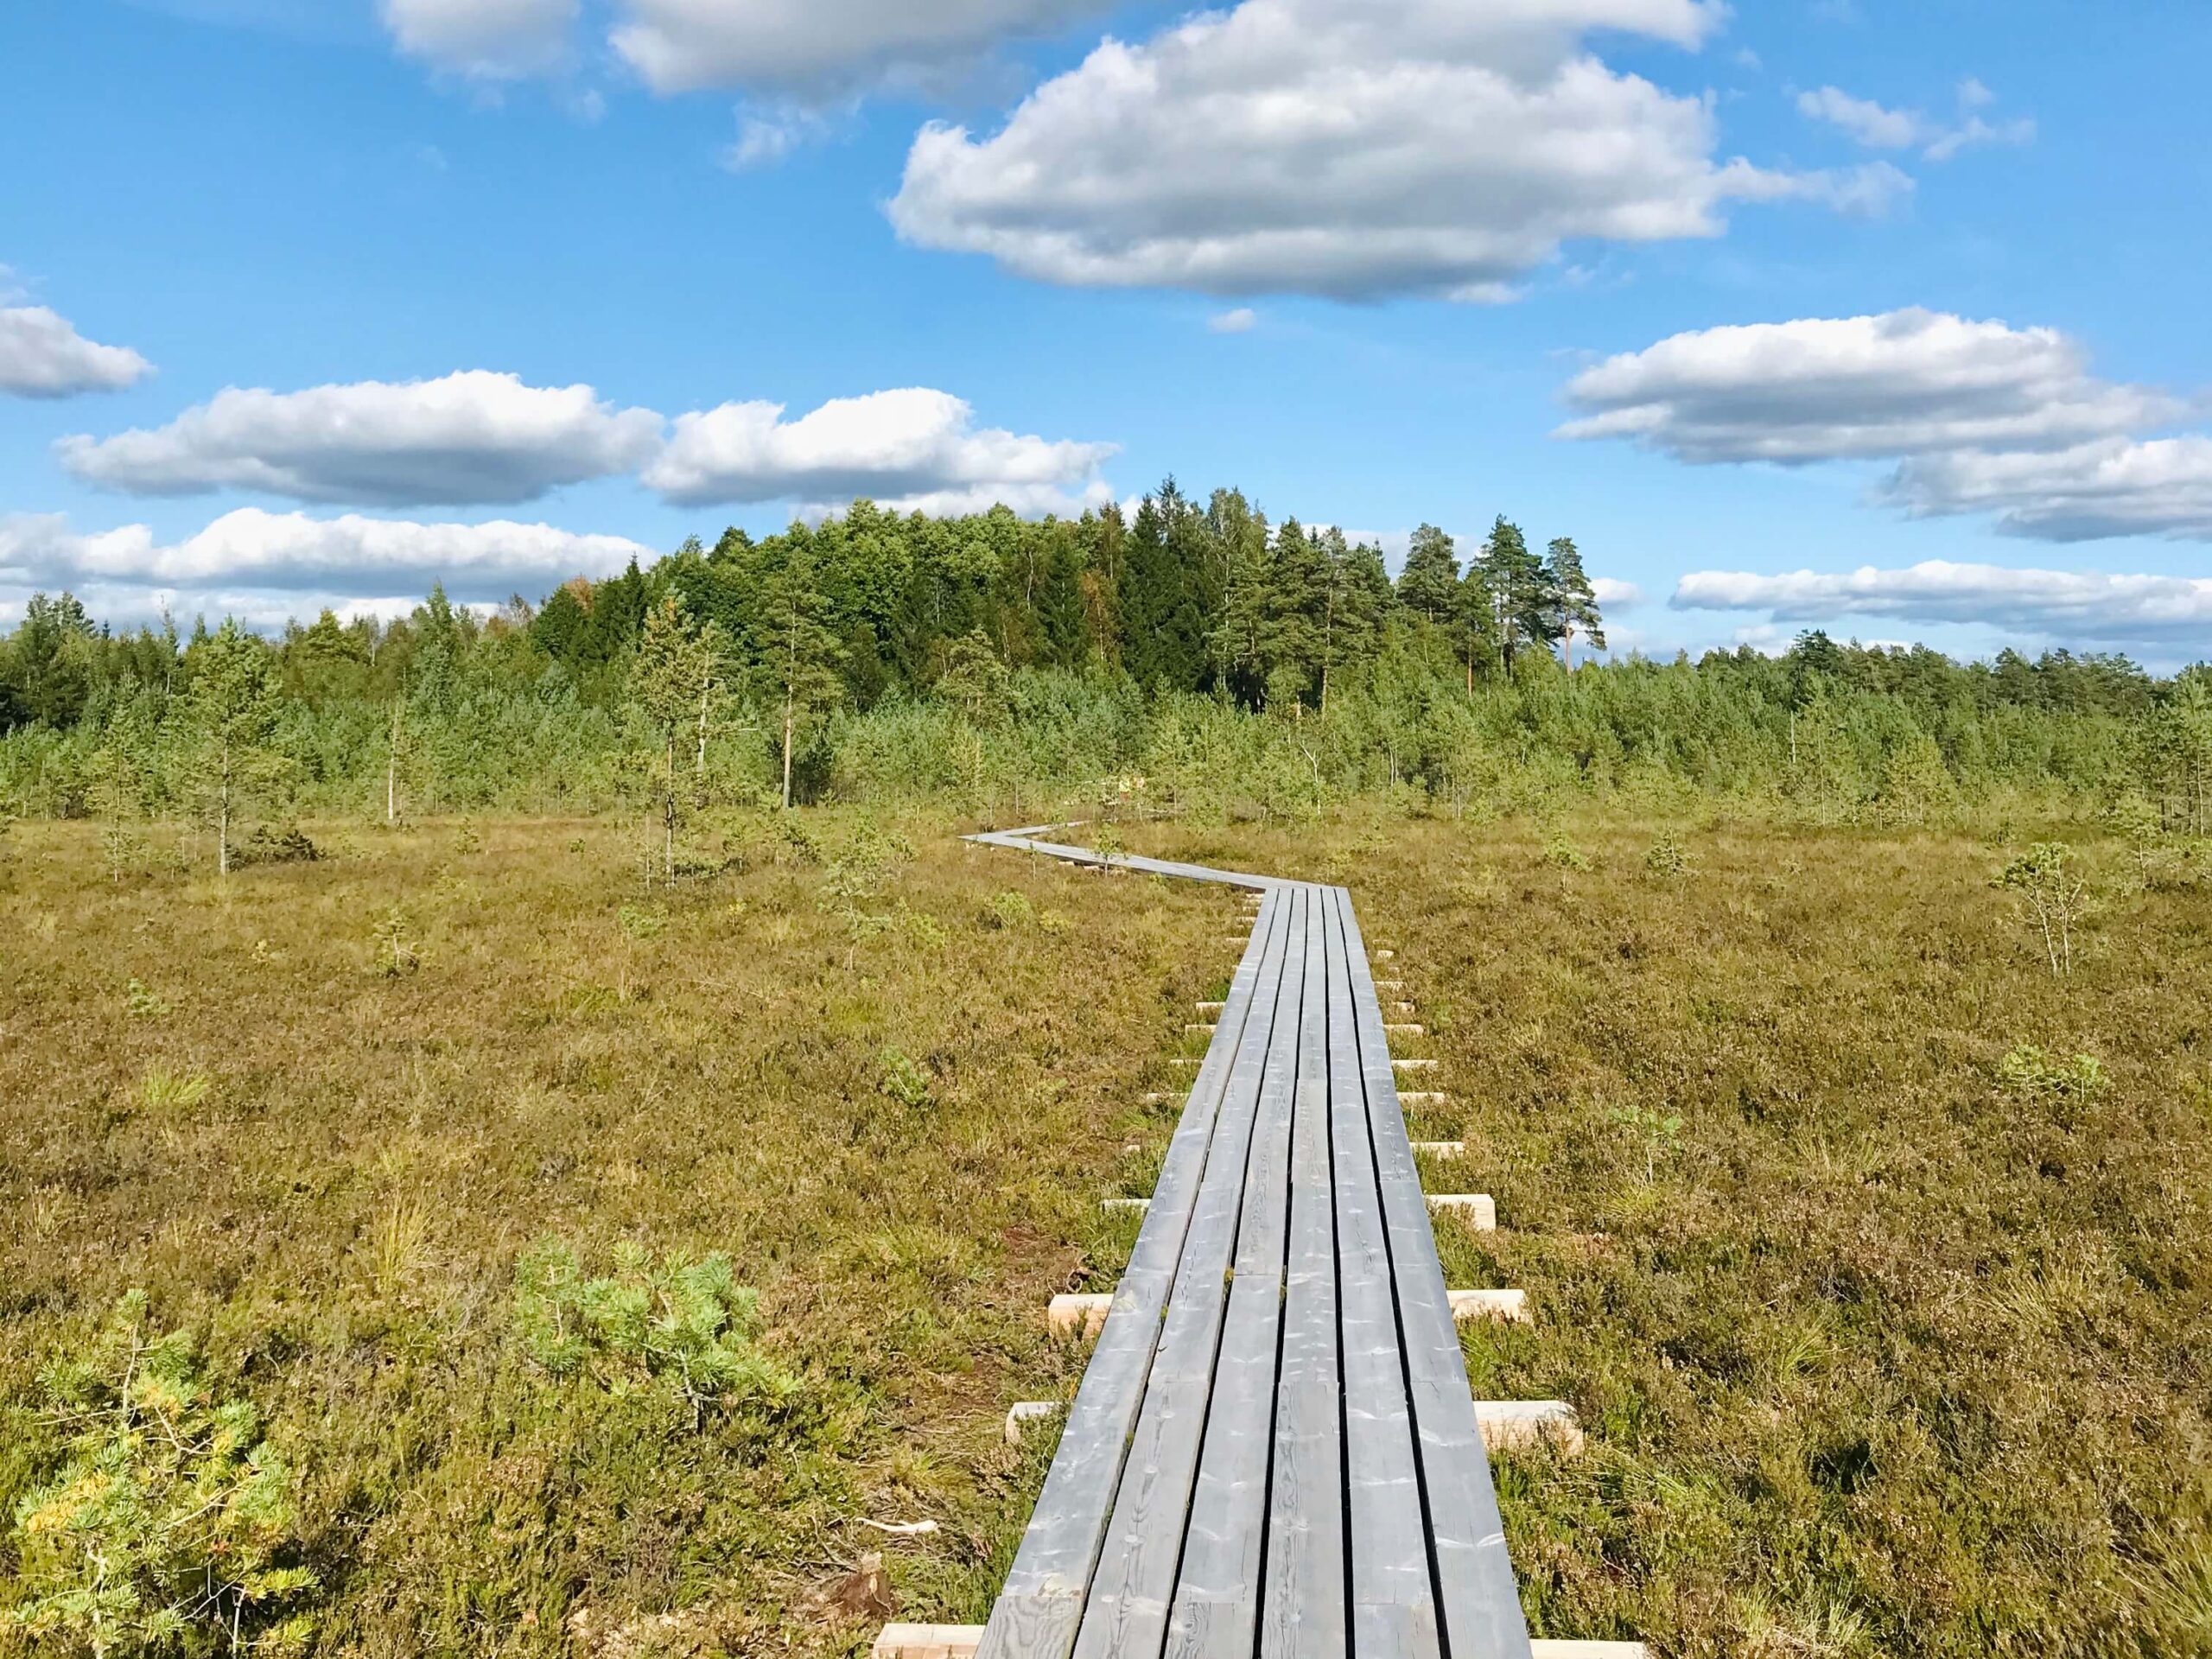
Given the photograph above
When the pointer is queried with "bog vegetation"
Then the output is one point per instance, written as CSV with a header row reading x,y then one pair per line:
x,y
485,1179
1224,662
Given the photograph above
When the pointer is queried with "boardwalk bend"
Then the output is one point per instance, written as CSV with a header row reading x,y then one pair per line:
x,y
1275,1450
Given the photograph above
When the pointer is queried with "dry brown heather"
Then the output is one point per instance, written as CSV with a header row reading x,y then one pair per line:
x,y
1883,1359
1877,1357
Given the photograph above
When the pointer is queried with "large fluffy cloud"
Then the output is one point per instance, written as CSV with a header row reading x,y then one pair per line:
x,y
818,46
42,355
2082,606
913,450
1821,389
485,40
2158,486
469,437
252,550
1980,417
1348,148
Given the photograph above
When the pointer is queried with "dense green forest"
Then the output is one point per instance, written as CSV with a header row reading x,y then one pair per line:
x,y
1190,656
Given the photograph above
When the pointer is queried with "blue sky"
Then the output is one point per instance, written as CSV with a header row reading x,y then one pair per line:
x,y
1927,276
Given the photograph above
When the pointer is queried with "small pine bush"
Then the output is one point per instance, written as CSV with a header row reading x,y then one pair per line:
x,y
171,1522
683,1324
1667,860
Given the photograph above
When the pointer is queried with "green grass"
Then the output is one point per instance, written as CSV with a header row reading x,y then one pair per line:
x,y
327,1166
1884,1351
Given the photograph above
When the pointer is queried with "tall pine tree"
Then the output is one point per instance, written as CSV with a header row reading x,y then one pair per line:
x,y
1572,600
1518,602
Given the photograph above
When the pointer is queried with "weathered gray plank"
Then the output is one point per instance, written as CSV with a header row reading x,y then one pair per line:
x,y
1217,1585
1027,841
1040,1608
1392,1590
1130,1592
1481,1606
1302,1616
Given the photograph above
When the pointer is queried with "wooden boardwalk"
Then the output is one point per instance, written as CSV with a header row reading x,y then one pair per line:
x,y
1275,1449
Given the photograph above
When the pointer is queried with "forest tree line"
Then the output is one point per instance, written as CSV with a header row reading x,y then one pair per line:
x,y
1218,657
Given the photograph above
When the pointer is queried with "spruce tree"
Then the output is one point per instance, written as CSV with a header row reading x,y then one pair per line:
x,y
1294,618
1429,585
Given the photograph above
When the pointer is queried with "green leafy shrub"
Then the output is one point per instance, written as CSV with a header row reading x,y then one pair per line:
x,y
2031,1075
1010,910
641,923
904,1081
683,1324
1562,854
168,1528
142,1002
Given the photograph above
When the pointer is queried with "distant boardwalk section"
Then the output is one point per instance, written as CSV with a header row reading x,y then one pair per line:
x,y
1275,1449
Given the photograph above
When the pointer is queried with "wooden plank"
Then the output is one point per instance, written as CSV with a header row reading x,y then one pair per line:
x,y
1126,1611
1217,1589
1040,1607
1305,1573
1481,1606
1393,1591
1027,841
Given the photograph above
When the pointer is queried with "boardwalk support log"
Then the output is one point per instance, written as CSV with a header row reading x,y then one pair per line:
x,y
1071,1316
1507,1306
1519,1425
1022,1412
1479,1209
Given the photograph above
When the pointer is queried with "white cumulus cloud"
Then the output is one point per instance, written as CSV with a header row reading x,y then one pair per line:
x,y
2080,607
254,551
1242,320
912,449
820,47
42,355
2118,486
470,437
1904,383
483,40
1346,148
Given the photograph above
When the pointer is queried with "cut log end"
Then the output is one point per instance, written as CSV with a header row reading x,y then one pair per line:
x,y
1023,1413
1519,1425
1478,1209
1073,1316
1506,1306
927,1642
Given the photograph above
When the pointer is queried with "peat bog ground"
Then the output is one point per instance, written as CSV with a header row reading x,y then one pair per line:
x,y
1888,1338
